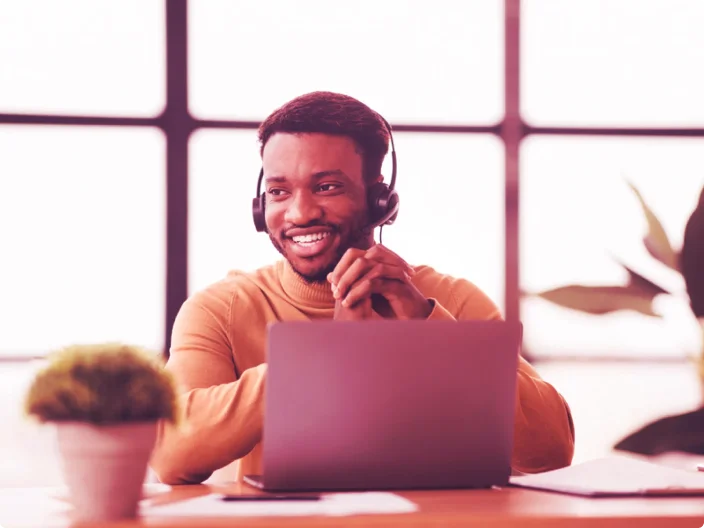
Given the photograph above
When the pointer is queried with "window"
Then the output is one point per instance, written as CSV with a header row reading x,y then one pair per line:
x,y
412,61
84,203
82,57
606,63
223,169
451,217
580,220
82,236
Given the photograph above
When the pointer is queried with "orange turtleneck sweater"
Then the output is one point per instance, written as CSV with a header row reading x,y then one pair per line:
x,y
218,361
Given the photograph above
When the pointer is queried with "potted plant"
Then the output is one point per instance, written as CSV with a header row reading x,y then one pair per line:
x,y
639,293
683,432
105,401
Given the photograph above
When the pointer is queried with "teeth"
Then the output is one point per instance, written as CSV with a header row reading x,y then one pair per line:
x,y
310,238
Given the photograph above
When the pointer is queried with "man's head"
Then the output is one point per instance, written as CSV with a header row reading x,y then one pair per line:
x,y
320,152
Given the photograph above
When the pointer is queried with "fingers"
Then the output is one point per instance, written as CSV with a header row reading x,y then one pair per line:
x,y
357,270
345,262
381,278
376,253
365,268
383,254
361,310
361,290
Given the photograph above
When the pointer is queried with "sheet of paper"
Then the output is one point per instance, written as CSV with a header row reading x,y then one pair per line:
x,y
334,504
616,475
149,491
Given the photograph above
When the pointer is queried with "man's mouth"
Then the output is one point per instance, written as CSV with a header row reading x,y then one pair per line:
x,y
311,238
311,244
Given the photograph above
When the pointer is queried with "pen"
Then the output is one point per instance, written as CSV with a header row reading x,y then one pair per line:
x,y
245,498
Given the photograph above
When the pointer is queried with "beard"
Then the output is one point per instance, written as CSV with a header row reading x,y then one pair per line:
x,y
355,237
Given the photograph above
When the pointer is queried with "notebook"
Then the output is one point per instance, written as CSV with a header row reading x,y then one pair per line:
x,y
616,476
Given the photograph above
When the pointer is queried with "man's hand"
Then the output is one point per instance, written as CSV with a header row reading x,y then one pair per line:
x,y
361,310
378,272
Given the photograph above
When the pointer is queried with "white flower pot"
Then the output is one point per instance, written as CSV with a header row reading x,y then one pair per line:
x,y
105,467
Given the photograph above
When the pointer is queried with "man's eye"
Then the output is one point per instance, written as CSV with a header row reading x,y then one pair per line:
x,y
275,192
326,187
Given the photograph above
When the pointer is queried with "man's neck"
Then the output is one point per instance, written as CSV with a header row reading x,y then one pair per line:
x,y
303,290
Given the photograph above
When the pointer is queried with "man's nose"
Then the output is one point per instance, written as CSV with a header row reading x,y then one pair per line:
x,y
303,209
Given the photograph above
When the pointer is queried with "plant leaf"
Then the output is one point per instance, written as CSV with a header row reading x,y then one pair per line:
x,y
599,300
640,283
656,241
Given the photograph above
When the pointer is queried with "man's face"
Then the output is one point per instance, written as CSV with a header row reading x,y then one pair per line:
x,y
316,202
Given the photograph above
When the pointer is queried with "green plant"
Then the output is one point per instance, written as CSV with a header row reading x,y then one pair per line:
x,y
102,384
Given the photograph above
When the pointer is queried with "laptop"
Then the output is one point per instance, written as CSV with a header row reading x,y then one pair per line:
x,y
389,404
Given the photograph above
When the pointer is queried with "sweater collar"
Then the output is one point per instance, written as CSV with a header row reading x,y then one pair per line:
x,y
300,291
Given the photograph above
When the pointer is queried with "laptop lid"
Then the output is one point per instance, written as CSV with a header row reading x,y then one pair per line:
x,y
389,404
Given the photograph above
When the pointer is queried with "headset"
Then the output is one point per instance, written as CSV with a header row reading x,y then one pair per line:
x,y
382,199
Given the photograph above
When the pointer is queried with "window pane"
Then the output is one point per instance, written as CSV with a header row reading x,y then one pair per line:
x,y
625,63
82,221
579,219
223,170
82,57
410,60
452,206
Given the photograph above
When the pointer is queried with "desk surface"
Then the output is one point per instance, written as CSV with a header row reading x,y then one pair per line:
x,y
38,507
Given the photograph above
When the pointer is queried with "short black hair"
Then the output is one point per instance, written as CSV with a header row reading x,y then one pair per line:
x,y
335,114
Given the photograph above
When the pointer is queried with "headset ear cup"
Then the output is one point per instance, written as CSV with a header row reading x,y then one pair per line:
x,y
392,206
383,204
375,199
258,213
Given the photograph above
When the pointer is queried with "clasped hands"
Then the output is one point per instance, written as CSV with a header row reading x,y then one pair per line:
x,y
376,280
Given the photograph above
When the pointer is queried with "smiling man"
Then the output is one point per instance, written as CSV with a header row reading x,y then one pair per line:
x,y
322,155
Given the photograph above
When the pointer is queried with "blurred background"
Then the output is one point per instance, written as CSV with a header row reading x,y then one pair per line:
x,y
534,138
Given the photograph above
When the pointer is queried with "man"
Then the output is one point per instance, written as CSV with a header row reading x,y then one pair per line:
x,y
320,154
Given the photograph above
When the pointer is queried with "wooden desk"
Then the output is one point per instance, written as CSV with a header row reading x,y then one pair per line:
x,y
38,508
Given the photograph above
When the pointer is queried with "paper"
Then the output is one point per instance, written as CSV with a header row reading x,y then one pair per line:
x,y
616,476
333,504
149,491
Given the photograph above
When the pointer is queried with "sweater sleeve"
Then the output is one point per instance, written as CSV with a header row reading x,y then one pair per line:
x,y
543,429
221,413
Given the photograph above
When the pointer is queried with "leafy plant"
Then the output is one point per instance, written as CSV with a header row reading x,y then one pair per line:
x,y
637,294
102,384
